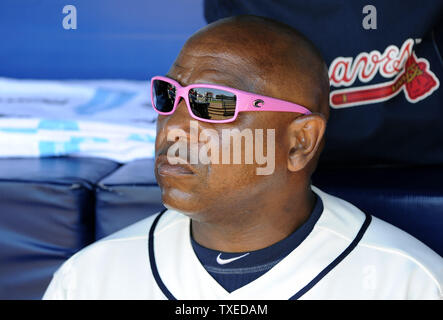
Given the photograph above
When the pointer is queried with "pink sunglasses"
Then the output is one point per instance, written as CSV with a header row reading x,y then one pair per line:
x,y
213,103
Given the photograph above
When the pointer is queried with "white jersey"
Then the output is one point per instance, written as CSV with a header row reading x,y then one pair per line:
x,y
347,255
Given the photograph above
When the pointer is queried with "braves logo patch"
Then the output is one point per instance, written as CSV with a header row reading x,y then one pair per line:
x,y
412,76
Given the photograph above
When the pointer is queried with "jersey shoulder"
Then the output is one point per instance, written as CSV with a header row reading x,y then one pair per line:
x,y
125,240
115,266
404,256
385,237
383,244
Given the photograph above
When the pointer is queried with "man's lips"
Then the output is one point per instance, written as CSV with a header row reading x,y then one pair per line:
x,y
165,168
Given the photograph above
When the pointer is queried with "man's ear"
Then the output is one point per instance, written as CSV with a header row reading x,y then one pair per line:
x,y
305,134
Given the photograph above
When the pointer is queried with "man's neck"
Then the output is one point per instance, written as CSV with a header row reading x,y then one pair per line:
x,y
257,227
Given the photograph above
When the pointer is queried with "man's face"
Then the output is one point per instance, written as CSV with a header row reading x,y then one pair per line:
x,y
203,190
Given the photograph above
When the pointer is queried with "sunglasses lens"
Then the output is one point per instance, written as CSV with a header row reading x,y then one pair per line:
x,y
164,95
212,104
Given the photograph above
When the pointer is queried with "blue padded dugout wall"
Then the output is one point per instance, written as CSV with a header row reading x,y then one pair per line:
x,y
47,206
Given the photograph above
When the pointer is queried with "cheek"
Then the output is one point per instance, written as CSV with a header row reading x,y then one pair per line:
x,y
231,179
160,121
159,134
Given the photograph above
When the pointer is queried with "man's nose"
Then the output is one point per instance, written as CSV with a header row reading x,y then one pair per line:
x,y
176,124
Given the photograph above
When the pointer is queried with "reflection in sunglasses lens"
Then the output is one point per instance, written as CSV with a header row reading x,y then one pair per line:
x,y
212,104
164,95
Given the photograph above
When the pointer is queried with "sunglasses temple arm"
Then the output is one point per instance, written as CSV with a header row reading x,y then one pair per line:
x,y
261,103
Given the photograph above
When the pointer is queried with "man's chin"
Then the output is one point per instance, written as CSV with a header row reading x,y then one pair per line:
x,y
183,202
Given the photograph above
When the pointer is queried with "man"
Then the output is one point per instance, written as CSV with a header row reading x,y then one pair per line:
x,y
229,232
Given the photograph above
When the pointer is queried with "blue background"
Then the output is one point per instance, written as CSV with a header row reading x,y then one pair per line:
x,y
130,39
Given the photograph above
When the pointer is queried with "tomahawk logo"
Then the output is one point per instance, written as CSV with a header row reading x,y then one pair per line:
x,y
412,76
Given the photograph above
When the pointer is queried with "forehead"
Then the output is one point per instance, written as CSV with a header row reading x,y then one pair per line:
x,y
207,62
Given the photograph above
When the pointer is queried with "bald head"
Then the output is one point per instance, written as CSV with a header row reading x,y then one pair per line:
x,y
263,56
